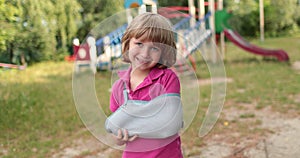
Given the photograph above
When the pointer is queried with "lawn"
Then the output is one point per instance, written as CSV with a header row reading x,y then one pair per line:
x,y
38,114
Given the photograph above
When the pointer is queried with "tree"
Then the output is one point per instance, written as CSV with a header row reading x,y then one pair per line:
x,y
280,17
245,17
56,23
37,29
8,28
96,11
67,17
42,30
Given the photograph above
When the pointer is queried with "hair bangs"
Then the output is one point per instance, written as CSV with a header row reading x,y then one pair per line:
x,y
154,34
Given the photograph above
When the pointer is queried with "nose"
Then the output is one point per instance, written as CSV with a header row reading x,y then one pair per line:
x,y
145,52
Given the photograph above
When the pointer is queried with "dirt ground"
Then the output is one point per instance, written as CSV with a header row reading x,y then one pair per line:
x,y
274,136
247,133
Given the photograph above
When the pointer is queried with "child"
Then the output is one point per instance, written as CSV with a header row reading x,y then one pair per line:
x,y
149,46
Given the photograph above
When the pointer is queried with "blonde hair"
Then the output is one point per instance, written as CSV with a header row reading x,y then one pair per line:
x,y
157,29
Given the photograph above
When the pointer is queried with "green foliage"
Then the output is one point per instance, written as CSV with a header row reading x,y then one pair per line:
x,y
281,17
54,24
93,12
166,3
297,15
8,23
67,16
247,8
40,30
34,30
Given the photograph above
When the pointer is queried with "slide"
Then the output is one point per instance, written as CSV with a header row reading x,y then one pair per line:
x,y
238,40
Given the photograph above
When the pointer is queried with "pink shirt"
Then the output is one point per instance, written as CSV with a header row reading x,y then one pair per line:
x,y
158,81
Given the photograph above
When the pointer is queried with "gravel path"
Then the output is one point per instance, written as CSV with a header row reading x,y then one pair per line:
x,y
281,141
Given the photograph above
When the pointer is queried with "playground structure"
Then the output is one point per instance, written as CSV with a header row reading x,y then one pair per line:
x,y
76,45
84,55
222,27
191,32
12,66
238,40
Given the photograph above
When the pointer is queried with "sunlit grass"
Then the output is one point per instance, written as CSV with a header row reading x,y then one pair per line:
x,y
37,109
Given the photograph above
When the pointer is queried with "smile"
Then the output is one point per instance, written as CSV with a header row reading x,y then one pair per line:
x,y
143,61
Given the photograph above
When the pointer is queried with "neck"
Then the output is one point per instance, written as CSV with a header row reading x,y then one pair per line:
x,y
137,77
139,73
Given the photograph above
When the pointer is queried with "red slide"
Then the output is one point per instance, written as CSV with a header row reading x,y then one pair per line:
x,y
238,40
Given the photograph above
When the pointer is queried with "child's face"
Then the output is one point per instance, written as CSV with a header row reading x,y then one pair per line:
x,y
143,54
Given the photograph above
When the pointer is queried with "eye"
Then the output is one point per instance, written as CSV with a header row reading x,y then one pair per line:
x,y
139,44
155,49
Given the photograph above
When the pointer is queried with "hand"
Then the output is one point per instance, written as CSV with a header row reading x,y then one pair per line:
x,y
123,138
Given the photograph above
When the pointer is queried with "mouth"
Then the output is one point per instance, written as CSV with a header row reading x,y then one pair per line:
x,y
143,60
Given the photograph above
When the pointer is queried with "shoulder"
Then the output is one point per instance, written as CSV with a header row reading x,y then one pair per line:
x,y
161,73
117,87
170,81
123,78
169,71
169,74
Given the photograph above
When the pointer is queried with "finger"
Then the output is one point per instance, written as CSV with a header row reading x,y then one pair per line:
x,y
119,134
125,136
132,138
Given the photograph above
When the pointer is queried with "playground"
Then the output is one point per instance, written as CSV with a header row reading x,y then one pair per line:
x,y
207,24
260,115
261,110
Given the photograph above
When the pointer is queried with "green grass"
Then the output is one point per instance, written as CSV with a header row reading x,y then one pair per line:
x,y
37,111
266,82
